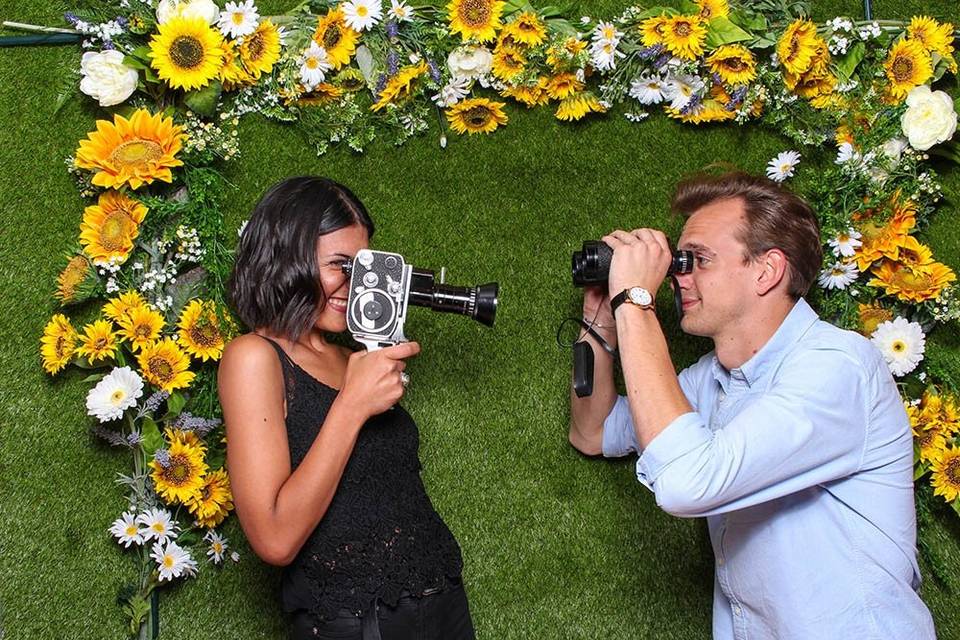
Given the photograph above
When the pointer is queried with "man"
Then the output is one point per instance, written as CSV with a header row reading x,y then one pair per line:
x,y
790,437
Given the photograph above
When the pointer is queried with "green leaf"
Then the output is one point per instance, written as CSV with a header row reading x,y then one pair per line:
x,y
94,377
204,101
755,22
152,440
216,458
140,53
722,31
653,12
175,404
687,7
847,64
135,63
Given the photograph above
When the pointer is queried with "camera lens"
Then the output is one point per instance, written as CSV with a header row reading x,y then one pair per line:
x,y
591,265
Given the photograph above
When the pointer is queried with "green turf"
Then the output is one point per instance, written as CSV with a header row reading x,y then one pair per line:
x,y
556,545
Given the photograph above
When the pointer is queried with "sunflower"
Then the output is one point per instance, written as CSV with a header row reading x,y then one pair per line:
x,y
577,106
400,86
477,19
261,49
110,227
211,504
72,279
476,115
931,442
165,365
58,344
527,29
186,52
232,74
200,334
884,241
912,284
653,31
531,95
871,315
710,9
323,93
733,63
118,308
934,36
946,474
508,64
564,55
830,101
140,326
684,36
99,342
563,85
912,253
908,65
707,111
178,476
135,151
797,46
350,80
337,39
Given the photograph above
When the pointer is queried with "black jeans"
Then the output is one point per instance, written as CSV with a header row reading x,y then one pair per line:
x,y
443,615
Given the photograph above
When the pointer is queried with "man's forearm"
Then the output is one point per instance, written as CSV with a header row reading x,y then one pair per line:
x,y
653,389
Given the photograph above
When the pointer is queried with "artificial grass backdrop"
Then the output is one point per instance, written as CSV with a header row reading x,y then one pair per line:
x,y
556,545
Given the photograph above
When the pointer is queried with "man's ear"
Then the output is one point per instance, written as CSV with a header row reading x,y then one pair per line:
x,y
772,271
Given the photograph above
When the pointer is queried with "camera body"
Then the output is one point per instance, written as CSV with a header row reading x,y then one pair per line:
x,y
383,286
591,265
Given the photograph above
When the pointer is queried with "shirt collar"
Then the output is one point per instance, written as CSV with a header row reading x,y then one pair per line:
x,y
800,318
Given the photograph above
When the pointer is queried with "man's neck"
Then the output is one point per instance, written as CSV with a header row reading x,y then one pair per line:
x,y
751,333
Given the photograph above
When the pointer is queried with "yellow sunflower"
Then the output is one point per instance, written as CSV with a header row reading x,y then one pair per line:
x,y
118,308
934,36
165,365
733,63
912,284
323,93
684,36
508,64
871,315
400,86
261,49
527,29
178,476
58,343
884,240
531,95
797,46
563,55
71,280
577,106
653,31
946,474
135,151
339,40
110,226
350,80
908,64
232,74
211,504
476,115
475,19
707,111
200,334
563,85
98,342
830,101
912,253
140,326
931,441
710,9
186,52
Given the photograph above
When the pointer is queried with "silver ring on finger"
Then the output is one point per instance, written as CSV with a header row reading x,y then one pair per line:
x,y
404,379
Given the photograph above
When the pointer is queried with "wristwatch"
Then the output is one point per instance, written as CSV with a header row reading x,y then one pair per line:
x,y
634,295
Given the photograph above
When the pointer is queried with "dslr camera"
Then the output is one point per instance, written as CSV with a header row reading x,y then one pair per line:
x,y
383,286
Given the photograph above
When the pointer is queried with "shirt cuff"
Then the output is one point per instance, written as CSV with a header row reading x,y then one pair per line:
x,y
686,433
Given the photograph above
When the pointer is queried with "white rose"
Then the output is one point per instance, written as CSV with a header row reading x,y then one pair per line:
x,y
469,62
205,9
894,148
106,78
929,119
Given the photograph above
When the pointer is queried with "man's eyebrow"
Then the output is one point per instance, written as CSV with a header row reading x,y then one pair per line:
x,y
696,246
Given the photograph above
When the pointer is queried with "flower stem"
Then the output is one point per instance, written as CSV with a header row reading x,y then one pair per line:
x,y
20,26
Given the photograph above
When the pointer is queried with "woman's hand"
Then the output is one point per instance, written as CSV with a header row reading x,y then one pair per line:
x,y
373,382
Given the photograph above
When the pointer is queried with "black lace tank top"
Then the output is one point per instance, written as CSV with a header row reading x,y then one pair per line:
x,y
380,536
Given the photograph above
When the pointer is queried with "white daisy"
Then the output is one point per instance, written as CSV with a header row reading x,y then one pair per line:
x,y
399,11
360,15
238,19
126,531
313,66
605,32
846,243
157,524
846,152
235,556
117,392
680,89
453,92
781,167
218,546
604,54
839,276
902,344
172,561
647,89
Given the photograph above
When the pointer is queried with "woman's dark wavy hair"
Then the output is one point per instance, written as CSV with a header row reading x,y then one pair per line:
x,y
275,283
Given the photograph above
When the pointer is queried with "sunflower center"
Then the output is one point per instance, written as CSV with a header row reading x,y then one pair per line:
x,y
186,52
902,69
255,47
100,343
683,29
142,331
475,13
136,153
477,116
331,36
160,368
205,334
113,232
179,470
735,64
898,346
952,471
60,346
911,280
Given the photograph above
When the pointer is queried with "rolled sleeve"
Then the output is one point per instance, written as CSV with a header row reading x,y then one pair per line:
x,y
686,433
619,438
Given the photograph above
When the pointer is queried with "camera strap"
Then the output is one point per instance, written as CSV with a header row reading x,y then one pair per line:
x,y
677,297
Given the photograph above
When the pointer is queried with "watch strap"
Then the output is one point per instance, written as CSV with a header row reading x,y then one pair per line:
x,y
618,300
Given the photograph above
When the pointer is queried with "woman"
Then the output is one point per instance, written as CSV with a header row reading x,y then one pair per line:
x,y
323,461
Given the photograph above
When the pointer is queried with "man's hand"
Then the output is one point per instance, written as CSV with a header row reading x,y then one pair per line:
x,y
641,258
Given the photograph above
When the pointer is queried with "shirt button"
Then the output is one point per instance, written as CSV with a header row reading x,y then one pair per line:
x,y
719,562
736,609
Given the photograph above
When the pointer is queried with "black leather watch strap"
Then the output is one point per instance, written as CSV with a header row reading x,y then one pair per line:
x,y
618,300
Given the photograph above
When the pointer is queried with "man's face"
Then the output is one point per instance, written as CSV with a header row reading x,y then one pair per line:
x,y
721,287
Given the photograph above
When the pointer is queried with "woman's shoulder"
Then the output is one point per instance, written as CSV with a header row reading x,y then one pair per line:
x,y
249,351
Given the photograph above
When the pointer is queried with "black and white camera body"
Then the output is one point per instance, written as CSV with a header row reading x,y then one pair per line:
x,y
378,300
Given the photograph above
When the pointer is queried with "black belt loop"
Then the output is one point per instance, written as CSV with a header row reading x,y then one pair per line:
x,y
370,624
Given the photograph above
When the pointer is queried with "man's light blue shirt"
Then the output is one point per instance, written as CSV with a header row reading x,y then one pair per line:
x,y
802,462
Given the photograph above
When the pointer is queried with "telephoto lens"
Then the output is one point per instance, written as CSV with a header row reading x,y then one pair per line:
x,y
591,265
479,303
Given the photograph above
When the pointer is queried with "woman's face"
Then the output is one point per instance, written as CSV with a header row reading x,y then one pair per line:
x,y
333,251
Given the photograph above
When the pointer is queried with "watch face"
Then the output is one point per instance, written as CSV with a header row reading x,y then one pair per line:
x,y
640,296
